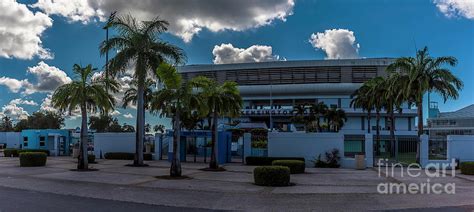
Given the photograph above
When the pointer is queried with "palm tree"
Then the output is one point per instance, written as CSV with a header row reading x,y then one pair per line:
x,y
427,74
394,99
173,100
315,112
220,100
361,98
336,118
89,96
138,43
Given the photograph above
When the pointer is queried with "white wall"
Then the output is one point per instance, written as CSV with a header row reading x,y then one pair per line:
x,y
113,142
12,139
461,147
307,145
352,123
401,123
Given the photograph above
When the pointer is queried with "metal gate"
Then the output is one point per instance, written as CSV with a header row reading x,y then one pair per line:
x,y
400,152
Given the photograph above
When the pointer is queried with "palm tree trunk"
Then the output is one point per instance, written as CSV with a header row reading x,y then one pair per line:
x,y
175,170
82,159
318,125
392,133
368,121
214,164
377,131
140,134
419,106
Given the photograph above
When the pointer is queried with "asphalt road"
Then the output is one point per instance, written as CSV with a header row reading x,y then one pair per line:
x,y
23,200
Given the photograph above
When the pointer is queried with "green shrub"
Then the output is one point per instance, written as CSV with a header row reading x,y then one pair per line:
x,y
467,168
296,166
125,156
272,175
91,158
35,150
267,161
10,152
331,160
260,144
30,159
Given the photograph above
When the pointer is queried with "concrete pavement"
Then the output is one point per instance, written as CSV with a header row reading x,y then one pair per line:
x,y
319,189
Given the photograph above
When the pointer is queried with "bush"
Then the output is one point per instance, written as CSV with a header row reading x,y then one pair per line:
x,y
272,175
91,158
10,152
260,144
331,160
467,168
125,156
30,159
267,161
35,150
296,166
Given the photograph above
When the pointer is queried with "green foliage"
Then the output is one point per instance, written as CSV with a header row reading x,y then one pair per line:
x,y
6,125
260,144
128,128
39,120
272,175
31,159
296,166
467,168
10,152
34,150
267,161
331,160
125,156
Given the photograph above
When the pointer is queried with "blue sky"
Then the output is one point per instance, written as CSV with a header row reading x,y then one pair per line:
x,y
380,28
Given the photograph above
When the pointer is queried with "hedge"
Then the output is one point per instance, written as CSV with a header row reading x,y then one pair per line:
x,y
10,152
267,161
31,159
271,176
296,166
35,150
125,156
467,168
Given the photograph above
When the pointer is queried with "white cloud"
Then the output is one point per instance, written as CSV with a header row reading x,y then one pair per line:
x,y
128,116
21,30
115,113
14,111
187,18
336,43
14,85
46,105
48,78
23,102
227,53
456,8
74,10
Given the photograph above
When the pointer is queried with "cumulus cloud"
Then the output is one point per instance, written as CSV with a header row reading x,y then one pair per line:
x,y
128,116
14,111
187,18
227,53
48,78
115,113
456,8
21,30
336,43
73,10
46,105
14,85
23,102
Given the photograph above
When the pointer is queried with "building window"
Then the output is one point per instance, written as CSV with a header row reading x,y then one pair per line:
x,y
42,141
25,141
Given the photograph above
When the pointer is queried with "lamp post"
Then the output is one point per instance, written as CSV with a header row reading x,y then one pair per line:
x,y
106,27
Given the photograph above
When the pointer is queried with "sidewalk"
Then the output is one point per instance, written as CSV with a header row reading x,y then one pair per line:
x,y
318,188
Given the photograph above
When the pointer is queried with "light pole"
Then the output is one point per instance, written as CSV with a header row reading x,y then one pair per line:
x,y
106,27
